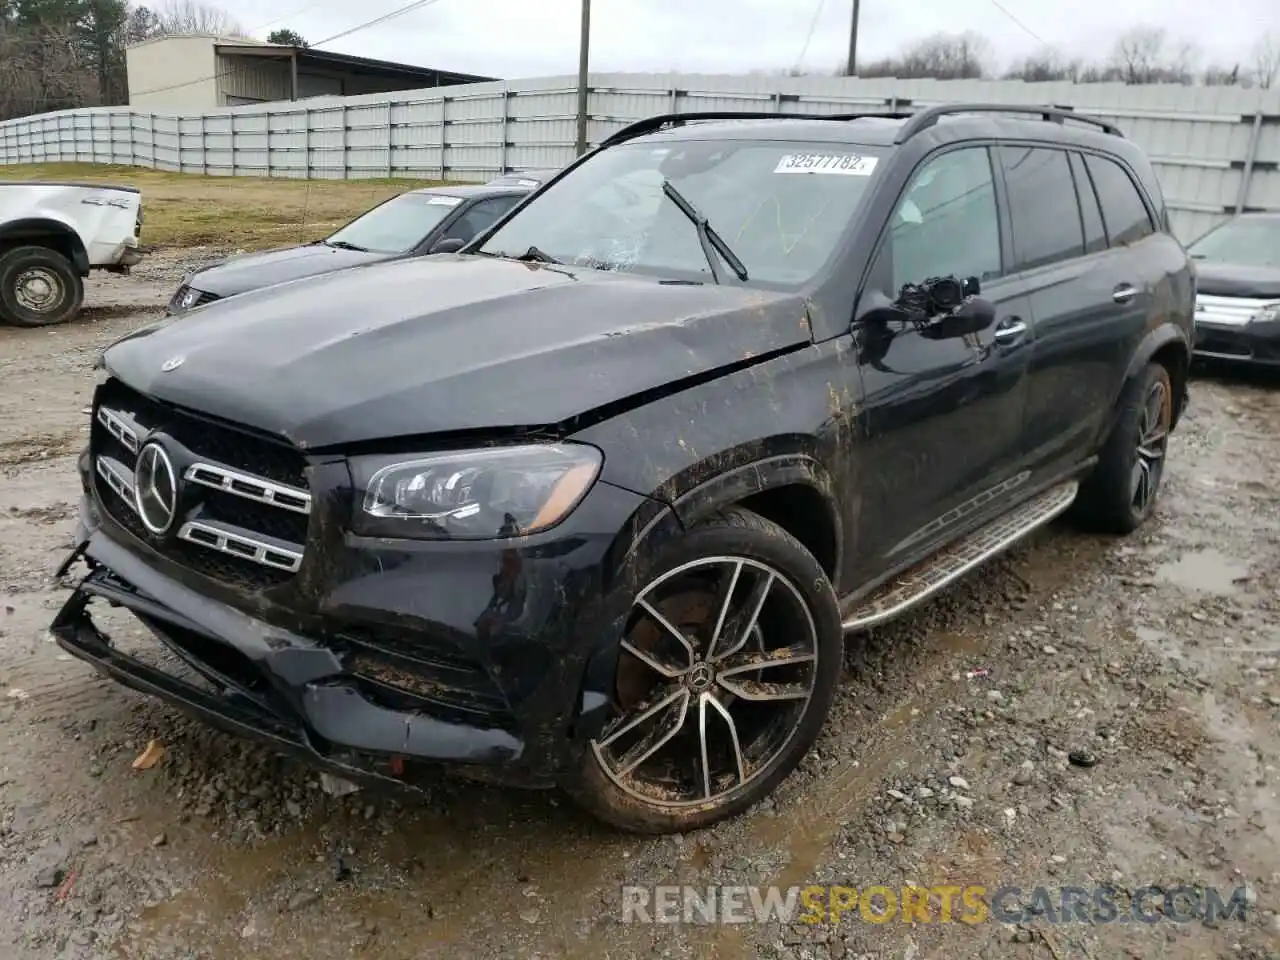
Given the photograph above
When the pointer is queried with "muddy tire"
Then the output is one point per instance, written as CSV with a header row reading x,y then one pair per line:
x,y
733,651
1121,492
38,287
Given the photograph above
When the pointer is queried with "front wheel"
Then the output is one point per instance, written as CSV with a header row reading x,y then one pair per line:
x,y
1121,492
728,666
38,287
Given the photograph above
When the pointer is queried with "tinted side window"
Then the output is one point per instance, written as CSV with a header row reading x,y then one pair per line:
x,y
946,223
1095,235
1125,215
481,216
1042,205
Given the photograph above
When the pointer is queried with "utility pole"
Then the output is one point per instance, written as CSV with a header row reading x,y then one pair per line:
x,y
583,59
853,42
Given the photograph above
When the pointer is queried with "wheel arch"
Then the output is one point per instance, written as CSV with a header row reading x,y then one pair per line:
x,y
46,232
794,490
1167,346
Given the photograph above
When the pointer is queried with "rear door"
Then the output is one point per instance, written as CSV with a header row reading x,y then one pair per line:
x,y
1079,289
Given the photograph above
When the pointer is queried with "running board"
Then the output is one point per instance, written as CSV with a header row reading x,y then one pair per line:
x,y
955,560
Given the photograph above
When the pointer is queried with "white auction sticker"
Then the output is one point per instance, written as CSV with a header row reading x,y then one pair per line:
x,y
444,201
845,164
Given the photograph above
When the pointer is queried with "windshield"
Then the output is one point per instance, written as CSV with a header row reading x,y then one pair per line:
x,y
398,225
1251,243
782,208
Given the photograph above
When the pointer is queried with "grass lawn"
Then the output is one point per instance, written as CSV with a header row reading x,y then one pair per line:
x,y
186,210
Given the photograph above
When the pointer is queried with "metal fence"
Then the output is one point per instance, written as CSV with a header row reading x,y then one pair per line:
x,y
1216,149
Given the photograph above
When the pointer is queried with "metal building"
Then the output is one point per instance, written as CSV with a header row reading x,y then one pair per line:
x,y
201,72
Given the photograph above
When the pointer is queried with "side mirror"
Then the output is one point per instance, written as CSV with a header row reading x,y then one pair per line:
x,y
971,316
447,245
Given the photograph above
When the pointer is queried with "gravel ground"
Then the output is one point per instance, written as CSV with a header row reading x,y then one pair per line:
x,y
1084,711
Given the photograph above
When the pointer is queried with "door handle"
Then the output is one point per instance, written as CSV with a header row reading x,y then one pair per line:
x,y
1124,293
1009,331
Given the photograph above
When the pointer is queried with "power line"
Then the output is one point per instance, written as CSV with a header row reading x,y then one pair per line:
x,y
398,12
813,25
1027,30
287,16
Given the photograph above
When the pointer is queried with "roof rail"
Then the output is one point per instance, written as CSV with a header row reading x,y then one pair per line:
x,y
929,116
652,124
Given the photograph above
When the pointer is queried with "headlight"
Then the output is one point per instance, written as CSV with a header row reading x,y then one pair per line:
x,y
1268,313
472,494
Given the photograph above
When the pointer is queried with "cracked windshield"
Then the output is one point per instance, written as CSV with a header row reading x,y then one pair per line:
x,y
780,209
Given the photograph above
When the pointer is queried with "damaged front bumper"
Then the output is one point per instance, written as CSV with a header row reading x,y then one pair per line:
x,y
258,681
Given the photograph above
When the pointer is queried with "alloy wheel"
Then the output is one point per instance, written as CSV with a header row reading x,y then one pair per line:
x,y
1153,441
718,664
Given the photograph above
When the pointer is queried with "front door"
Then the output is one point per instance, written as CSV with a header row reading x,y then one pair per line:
x,y
943,417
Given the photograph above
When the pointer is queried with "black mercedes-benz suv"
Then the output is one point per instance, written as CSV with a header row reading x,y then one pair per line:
x,y
594,502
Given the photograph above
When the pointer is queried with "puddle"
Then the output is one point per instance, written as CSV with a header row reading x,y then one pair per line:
x,y
1206,570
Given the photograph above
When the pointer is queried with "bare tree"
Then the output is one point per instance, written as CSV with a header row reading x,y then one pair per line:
x,y
1218,76
1266,60
1137,53
943,56
193,16
1145,55
1045,66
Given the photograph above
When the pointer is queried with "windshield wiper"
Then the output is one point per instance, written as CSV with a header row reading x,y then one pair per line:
x,y
712,242
344,245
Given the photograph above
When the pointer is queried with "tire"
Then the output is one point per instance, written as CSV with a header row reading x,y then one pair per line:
x,y
1108,500
795,590
38,287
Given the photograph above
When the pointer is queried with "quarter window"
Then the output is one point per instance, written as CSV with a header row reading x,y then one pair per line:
x,y
1123,211
1095,235
946,223
1042,205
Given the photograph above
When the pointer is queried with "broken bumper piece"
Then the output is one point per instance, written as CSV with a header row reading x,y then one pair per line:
x,y
260,682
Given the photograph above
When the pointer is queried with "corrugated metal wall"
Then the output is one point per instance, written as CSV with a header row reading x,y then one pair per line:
x,y
1216,149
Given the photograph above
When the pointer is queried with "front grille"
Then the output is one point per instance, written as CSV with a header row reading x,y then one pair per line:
x,y
243,503
201,297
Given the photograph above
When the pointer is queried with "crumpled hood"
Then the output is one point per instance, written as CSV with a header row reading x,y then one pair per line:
x,y
249,271
448,343
1237,280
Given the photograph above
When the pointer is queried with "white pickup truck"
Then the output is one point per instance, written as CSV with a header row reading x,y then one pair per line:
x,y
52,235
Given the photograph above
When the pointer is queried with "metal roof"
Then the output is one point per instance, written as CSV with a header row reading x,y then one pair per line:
x,y
308,56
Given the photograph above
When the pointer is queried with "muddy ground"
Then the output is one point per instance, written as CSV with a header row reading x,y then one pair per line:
x,y
1109,709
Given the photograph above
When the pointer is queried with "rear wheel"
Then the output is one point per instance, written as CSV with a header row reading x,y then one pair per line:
x,y
38,287
1122,491
729,663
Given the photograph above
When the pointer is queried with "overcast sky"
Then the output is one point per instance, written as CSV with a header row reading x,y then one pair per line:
x,y
528,38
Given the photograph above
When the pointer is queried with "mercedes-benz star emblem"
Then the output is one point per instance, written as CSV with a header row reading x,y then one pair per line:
x,y
173,363
156,489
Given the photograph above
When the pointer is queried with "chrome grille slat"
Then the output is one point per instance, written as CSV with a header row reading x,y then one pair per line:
x,y
118,428
1233,311
215,536
218,477
251,532
116,475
